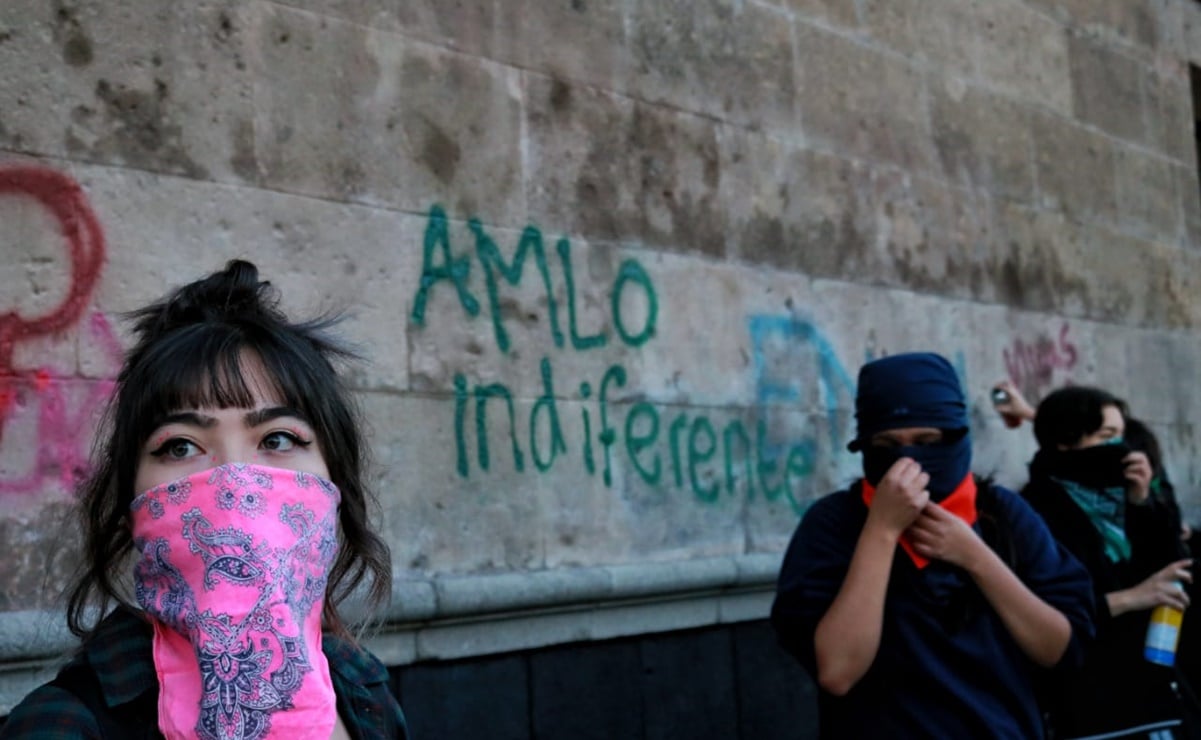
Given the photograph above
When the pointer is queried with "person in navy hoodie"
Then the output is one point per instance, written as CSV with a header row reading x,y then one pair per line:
x,y
924,601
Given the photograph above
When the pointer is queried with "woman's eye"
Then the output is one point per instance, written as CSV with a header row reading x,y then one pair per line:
x,y
282,442
176,449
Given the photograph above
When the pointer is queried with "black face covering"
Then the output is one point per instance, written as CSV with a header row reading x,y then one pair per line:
x,y
947,463
1099,466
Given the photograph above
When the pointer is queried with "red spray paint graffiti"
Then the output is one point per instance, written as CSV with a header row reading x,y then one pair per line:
x,y
1032,364
65,402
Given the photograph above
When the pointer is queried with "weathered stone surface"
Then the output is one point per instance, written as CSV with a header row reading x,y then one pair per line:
x,y
1075,169
1108,89
1169,113
1146,196
1188,190
41,552
942,32
375,13
838,12
354,122
862,103
166,90
1024,54
729,60
611,169
1130,22
1031,263
597,53
305,247
983,140
833,218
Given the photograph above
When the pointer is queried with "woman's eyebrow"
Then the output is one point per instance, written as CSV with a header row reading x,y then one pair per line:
x,y
262,416
190,418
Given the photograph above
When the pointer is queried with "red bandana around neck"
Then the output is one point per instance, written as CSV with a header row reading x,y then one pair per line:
x,y
961,503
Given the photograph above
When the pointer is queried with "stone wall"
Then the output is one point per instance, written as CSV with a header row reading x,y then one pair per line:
x,y
614,263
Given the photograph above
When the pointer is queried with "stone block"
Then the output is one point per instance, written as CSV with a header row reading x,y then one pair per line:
x,y
729,60
469,26
311,250
1024,54
836,12
1075,170
1188,190
1170,113
165,89
1039,262
1108,89
1146,196
438,520
939,32
862,103
613,170
376,125
41,539
1133,23
374,13
570,40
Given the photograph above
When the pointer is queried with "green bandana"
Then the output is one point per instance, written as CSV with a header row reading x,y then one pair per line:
x,y
1106,509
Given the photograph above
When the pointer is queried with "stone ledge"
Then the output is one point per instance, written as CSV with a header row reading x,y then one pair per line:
x,y
452,617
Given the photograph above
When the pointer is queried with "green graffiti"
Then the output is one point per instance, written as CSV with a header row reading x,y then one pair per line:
x,y
698,456
460,412
493,262
636,443
589,463
577,342
631,270
482,394
736,427
766,466
693,441
608,435
437,234
546,402
677,426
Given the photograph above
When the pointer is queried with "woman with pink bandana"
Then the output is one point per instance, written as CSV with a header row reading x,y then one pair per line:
x,y
228,498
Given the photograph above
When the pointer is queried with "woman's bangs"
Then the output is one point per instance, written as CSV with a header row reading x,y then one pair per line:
x,y
204,368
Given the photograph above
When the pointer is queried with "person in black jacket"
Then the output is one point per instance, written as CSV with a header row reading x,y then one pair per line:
x,y
1095,493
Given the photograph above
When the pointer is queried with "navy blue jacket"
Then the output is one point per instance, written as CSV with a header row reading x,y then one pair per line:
x,y
946,666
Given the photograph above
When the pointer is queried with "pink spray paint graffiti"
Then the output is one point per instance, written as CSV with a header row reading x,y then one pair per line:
x,y
1033,364
59,403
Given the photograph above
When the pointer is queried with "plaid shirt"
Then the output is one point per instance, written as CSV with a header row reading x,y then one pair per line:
x,y
116,667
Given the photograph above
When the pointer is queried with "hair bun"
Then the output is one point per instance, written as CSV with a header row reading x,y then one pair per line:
x,y
231,295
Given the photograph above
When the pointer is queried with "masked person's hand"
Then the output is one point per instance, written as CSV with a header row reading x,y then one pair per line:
x,y
940,535
900,497
1138,473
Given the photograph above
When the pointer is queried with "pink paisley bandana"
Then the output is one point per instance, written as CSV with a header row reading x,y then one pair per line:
x,y
233,568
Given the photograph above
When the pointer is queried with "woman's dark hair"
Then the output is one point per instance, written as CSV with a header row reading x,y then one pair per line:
x,y
1069,414
189,354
